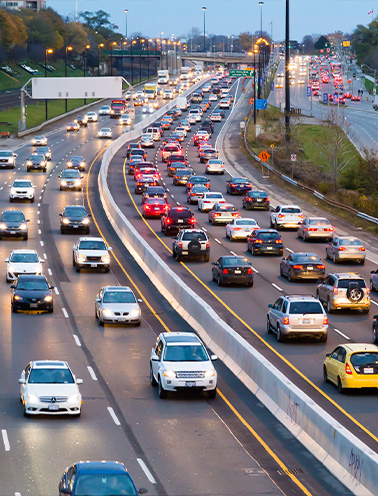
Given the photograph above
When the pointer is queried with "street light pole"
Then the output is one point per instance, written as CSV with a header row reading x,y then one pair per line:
x,y
261,5
47,50
65,67
140,59
254,87
126,11
287,86
100,45
111,57
132,62
204,28
86,48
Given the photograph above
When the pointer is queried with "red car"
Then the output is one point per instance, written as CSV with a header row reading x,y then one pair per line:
x,y
200,137
154,207
176,157
355,98
347,95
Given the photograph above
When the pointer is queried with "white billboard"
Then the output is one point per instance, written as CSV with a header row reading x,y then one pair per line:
x,y
77,87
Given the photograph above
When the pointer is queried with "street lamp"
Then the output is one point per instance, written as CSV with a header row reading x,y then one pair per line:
x,y
48,50
100,45
140,59
287,70
133,42
261,5
85,53
67,48
111,57
126,11
204,28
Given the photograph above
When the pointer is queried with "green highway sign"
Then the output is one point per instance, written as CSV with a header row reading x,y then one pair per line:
x,y
240,72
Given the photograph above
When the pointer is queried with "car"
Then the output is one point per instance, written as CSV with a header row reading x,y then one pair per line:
x,y
92,116
238,186
209,199
213,97
138,151
143,183
125,120
207,123
181,176
168,95
196,113
170,148
352,366
82,120
91,253
195,193
178,136
344,290
315,228
302,266
214,165
288,216
222,213
192,119
208,154
139,102
73,126
180,361
39,141
220,112
133,164
104,110
132,146
77,162
49,387
70,179
176,157
265,241
146,141
182,130
197,180
186,125
153,192
355,98
22,189
45,151
201,135
374,280
224,104
256,200
346,249
297,316
105,132
13,224
74,218
154,207
191,243
117,305
241,228
36,162
7,159
23,262
148,108
32,292
177,218
166,123
146,171
230,269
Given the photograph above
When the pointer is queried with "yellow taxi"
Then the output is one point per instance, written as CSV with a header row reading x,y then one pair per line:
x,y
353,365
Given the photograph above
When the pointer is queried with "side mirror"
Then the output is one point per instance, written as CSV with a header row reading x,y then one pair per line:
x,y
15,155
109,248
272,209
79,381
60,215
154,358
139,300
213,357
21,381
6,260
270,305
375,317
13,286
142,490
65,490
97,300
27,220
51,287
321,281
328,354
41,260
212,263
89,215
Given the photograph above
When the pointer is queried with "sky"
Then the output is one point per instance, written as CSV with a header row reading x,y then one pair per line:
x,y
228,17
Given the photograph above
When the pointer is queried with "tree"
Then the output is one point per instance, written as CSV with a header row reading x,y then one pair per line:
x,y
308,44
321,43
76,36
245,41
97,20
43,33
12,30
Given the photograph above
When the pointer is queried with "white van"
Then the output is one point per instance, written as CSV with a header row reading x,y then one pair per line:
x,y
154,131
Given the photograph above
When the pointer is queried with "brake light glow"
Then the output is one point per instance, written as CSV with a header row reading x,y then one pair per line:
x,y
207,244
280,216
237,228
225,271
348,370
249,270
180,244
297,267
258,241
361,248
278,241
321,267
217,215
192,220
168,220
286,321
335,290
325,321
341,248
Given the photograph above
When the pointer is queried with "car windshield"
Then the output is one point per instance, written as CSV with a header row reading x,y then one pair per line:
x,y
119,297
235,262
350,242
364,358
345,283
257,194
77,159
24,258
37,157
291,210
6,154
305,307
183,172
12,217
94,484
92,245
32,285
21,184
70,173
194,235
185,353
246,222
240,180
318,222
312,258
226,208
75,212
51,376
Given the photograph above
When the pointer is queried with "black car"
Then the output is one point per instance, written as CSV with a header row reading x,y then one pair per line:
x,y
36,162
74,218
13,224
31,292
134,162
238,185
209,123
77,162
207,128
231,269
97,477
154,192
256,199
143,183
265,241
177,218
82,120
132,146
195,180
302,266
173,113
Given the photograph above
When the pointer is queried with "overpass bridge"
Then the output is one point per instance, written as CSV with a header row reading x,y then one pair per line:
x,y
228,59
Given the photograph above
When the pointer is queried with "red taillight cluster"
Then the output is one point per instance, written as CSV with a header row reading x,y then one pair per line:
x,y
321,267
278,241
297,267
286,321
225,271
249,270
361,248
325,321
348,370
280,216
341,248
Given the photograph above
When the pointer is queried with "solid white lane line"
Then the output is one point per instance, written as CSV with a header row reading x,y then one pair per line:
x,y
77,340
56,291
65,312
277,287
5,439
49,271
288,249
113,415
255,270
342,334
91,373
217,240
146,471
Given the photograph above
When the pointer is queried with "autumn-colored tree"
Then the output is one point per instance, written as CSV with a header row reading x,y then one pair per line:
x,y
76,36
245,41
12,30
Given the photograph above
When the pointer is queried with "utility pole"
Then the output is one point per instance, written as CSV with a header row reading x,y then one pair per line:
x,y
204,28
287,86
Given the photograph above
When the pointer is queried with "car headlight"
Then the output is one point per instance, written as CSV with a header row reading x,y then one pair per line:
x,y
3,226
18,298
33,398
11,268
28,162
105,258
66,221
169,373
82,164
135,313
81,257
85,221
74,398
209,373
69,164
106,312
63,183
77,182
48,298
12,191
23,227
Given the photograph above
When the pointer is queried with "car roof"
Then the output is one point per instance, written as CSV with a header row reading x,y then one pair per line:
x,y
355,347
74,206
24,251
289,206
300,297
91,238
173,338
100,466
346,275
117,288
31,277
53,364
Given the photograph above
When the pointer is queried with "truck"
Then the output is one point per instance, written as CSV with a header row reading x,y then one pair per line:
x,y
163,77
184,73
118,107
150,90
182,103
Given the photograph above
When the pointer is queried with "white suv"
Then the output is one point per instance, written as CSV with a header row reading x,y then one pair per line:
x,y
21,189
179,360
209,199
8,159
91,253
286,216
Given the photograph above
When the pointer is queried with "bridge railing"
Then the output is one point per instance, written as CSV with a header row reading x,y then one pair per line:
x,y
217,55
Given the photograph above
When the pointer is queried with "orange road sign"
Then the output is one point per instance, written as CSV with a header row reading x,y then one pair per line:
x,y
251,101
264,156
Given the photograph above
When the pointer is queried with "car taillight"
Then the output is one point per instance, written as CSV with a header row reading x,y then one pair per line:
x,y
280,216
325,321
348,370
206,201
286,321
367,290
321,267
278,240
217,215
147,207
361,248
237,228
235,214
335,290
192,194
341,248
139,175
233,185
311,229
207,244
189,185
329,229
225,271
258,241
168,220
207,185
301,216
249,270
180,244
192,220
297,267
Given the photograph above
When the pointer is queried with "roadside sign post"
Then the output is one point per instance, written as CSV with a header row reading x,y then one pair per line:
x,y
293,159
264,156
272,147
241,72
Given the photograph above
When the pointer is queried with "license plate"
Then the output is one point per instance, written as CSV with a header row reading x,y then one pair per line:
x,y
369,370
33,305
269,247
93,265
259,199
310,268
54,407
306,321
237,271
122,319
75,227
190,384
184,252
13,232
180,221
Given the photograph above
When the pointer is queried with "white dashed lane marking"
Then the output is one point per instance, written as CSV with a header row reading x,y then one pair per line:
x,y
65,313
146,471
342,334
92,373
77,340
5,439
113,415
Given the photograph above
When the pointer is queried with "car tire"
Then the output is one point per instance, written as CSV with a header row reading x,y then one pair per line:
x,y
107,270
323,338
77,269
153,381
206,258
62,231
73,261
14,309
340,388
162,392
25,237
275,225
375,335
361,262
329,308
269,326
32,200
281,272
11,200
219,281
325,374
291,277
334,258
50,310
326,255
279,336
100,322
25,412
178,257
365,311
305,238
212,393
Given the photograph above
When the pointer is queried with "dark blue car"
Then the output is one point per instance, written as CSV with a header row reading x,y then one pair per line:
x,y
98,479
238,186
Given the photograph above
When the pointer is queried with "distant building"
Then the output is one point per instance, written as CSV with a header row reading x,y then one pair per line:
x,y
23,4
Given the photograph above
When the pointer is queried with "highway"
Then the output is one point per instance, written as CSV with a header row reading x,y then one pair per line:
x,y
185,445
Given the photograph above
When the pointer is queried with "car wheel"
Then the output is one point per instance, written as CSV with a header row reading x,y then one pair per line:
x,y
340,388
305,238
25,237
106,270
291,277
327,255
334,258
100,322
62,230
32,200
362,262
14,309
50,310
178,257
212,393
152,378
329,308
365,310
25,412
268,326
375,335
279,336
206,258
281,272
275,225
162,392
323,338
219,281
77,269
325,374
73,261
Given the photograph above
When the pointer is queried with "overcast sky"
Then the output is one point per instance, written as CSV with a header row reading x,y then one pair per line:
x,y
229,17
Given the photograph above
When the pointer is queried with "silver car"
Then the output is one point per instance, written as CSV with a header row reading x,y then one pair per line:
x,y
346,249
297,316
315,228
117,305
222,213
374,280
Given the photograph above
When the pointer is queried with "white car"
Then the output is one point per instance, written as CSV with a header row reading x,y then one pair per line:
x,y
207,202
104,110
105,132
8,159
192,119
21,189
213,97
139,94
125,120
168,95
224,104
23,262
241,228
196,114
181,129
222,213
48,387
91,253
147,141
92,116
289,216
180,360
215,166
206,88
117,305
39,141
216,117
148,109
